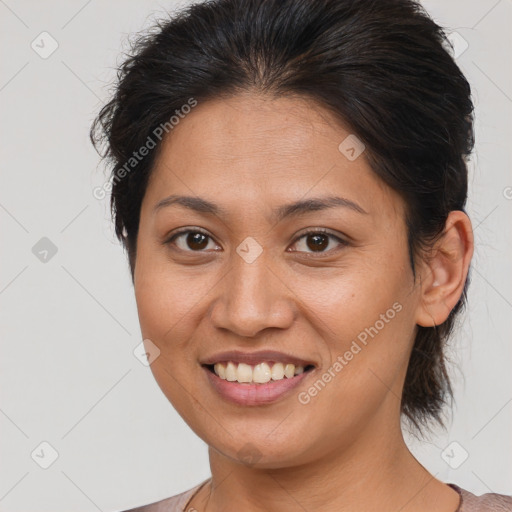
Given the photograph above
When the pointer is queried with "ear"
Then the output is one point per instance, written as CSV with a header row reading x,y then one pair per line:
x,y
444,272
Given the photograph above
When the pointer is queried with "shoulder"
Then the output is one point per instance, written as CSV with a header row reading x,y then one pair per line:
x,y
175,503
490,502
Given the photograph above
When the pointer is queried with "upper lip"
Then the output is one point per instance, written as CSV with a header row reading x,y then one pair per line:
x,y
252,358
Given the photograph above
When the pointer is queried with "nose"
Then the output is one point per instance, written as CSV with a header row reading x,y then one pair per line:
x,y
253,297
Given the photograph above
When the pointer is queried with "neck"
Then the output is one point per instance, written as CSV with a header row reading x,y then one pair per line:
x,y
367,467
376,472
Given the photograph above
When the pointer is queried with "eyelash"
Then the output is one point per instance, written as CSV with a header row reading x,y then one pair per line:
x,y
317,231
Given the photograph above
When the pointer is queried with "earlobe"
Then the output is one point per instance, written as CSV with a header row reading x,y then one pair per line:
x,y
444,274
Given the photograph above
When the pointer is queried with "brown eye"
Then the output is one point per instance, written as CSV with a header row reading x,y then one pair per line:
x,y
191,241
196,241
318,242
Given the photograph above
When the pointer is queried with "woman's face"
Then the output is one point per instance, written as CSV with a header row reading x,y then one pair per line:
x,y
341,302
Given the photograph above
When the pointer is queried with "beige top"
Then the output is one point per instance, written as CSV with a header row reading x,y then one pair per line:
x,y
490,502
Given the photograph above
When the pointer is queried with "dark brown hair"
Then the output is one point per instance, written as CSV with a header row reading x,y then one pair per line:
x,y
381,66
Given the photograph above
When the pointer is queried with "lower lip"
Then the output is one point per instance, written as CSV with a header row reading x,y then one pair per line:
x,y
254,394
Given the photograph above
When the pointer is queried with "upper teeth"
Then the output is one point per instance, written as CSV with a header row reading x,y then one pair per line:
x,y
260,374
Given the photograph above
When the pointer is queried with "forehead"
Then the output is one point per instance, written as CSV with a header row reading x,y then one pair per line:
x,y
256,149
254,125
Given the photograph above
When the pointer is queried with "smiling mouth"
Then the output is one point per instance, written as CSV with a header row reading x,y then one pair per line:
x,y
261,373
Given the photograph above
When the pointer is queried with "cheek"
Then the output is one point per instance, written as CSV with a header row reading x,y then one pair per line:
x,y
367,324
368,360
166,307
346,301
167,296
166,315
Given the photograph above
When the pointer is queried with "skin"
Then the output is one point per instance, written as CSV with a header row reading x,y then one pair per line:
x,y
344,450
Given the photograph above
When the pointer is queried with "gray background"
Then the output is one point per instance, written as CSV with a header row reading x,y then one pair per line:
x,y
68,320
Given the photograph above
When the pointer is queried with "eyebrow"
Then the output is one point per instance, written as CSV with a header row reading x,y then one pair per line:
x,y
296,208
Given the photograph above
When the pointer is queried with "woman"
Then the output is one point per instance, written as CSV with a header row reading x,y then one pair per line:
x,y
289,180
